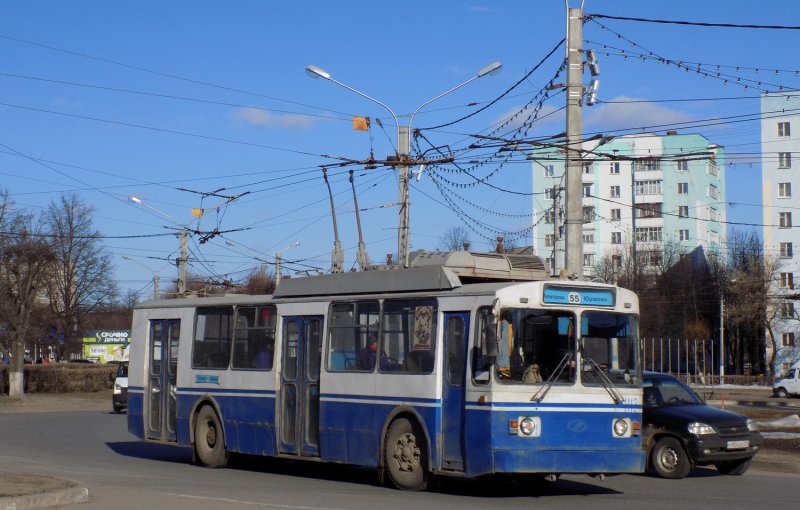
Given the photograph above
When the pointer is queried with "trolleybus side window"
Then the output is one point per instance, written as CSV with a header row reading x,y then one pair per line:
x,y
485,348
409,336
608,345
352,326
254,338
211,347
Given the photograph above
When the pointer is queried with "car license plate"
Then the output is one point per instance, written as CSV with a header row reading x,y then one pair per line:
x,y
738,445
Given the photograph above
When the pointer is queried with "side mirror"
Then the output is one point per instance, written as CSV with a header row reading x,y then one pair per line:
x,y
489,346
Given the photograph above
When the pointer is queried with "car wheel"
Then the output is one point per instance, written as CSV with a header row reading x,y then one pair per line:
x,y
209,439
405,456
782,393
734,467
669,459
117,409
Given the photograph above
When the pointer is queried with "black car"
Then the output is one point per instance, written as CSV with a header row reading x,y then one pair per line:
x,y
681,431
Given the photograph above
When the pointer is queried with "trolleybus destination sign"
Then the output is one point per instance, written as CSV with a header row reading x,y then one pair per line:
x,y
558,295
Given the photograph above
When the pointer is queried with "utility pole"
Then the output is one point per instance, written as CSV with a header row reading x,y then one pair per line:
x,y
573,253
182,263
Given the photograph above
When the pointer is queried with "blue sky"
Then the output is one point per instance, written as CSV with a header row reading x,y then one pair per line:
x,y
170,101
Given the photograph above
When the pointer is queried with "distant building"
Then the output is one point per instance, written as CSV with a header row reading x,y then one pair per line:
x,y
780,173
676,181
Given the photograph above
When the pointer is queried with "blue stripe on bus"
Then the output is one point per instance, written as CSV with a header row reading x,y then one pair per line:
x,y
575,437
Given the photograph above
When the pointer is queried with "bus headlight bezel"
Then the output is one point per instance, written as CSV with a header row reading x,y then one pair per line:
x,y
621,427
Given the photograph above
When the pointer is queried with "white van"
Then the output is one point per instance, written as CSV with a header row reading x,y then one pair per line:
x,y
120,395
788,383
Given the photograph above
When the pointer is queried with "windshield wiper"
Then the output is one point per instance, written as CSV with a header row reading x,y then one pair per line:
x,y
539,395
607,384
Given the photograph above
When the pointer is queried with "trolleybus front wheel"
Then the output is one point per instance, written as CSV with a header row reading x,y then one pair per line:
x,y
405,456
209,439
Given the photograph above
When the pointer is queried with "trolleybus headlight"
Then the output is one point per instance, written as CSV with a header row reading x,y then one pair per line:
x,y
527,426
622,427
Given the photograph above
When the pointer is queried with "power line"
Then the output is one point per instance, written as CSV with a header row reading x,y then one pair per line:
x,y
589,17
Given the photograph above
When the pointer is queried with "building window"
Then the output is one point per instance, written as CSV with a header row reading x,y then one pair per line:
x,y
787,310
616,262
785,220
785,190
616,214
787,339
549,171
713,237
588,214
683,188
614,168
650,258
648,234
647,165
616,237
648,210
548,239
713,192
587,168
648,187
713,215
614,191
588,237
683,234
784,160
588,259
587,190
683,211
786,250
711,167
784,129
787,280
683,165
549,193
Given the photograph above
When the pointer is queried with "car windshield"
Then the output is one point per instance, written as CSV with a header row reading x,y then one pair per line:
x,y
123,370
660,392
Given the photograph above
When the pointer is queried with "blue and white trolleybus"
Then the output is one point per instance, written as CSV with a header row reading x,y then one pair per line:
x,y
463,364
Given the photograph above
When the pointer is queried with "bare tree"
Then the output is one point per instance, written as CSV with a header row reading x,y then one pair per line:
x,y
25,260
82,276
259,281
454,239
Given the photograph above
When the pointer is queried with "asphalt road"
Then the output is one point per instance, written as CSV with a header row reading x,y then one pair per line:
x,y
95,449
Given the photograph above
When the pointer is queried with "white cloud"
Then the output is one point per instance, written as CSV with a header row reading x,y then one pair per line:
x,y
621,113
263,118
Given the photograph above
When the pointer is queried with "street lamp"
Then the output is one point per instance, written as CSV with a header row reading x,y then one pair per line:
x,y
183,235
403,146
156,278
278,261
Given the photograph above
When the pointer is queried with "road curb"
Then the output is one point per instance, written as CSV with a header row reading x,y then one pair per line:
x,y
46,499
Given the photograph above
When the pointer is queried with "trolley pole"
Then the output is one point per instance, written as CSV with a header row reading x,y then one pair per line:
x,y
573,252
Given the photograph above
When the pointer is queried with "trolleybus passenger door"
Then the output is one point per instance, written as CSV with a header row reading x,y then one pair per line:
x,y
162,378
299,402
453,377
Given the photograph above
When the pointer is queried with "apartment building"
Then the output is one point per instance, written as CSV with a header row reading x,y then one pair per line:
x,y
660,194
780,172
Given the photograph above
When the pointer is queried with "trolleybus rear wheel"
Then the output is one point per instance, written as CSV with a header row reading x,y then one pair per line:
x,y
405,456
209,439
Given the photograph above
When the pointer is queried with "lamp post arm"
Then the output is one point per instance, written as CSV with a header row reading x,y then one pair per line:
x,y
351,89
429,101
